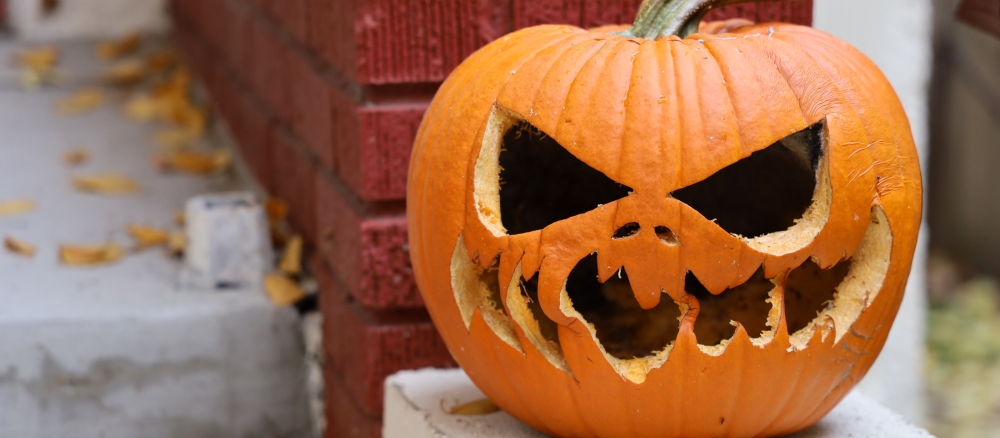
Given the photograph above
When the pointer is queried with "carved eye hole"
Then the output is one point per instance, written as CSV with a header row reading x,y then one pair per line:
x,y
764,193
542,183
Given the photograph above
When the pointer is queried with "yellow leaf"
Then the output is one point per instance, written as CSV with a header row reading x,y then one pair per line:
x,y
109,183
39,58
88,255
199,163
478,407
16,207
19,246
282,290
126,73
115,49
175,138
142,108
76,157
176,244
291,260
83,100
146,237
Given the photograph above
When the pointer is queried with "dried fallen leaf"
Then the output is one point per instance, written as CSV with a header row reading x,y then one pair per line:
x,y
89,255
282,290
478,407
291,260
19,246
161,60
76,157
16,207
180,218
39,58
276,209
199,163
146,237
39,66
85,99
126,73
108,183
115,49
176,244
142,108
173,139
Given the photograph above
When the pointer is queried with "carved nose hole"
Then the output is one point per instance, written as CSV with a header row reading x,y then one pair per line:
x,y
628,230
667,236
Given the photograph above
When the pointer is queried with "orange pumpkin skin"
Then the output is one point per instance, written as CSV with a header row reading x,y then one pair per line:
x,y
657,116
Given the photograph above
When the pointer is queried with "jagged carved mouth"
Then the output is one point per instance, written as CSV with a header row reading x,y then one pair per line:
x,y
810,300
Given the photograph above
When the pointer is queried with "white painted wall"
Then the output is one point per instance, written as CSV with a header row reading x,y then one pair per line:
x,y
87,18
897,35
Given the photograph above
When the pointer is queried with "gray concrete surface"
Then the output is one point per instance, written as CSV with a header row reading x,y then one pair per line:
x,y
122,350
414,402
896,35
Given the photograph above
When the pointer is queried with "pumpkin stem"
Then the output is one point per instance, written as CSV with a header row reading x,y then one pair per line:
x,y
658,18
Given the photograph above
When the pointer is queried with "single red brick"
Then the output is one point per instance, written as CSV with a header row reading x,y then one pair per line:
x,y
269,76
330,32
344,419
294,182
367,250
310,101
387,134
365,346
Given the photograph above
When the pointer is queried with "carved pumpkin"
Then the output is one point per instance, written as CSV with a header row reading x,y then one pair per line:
x,y
640,232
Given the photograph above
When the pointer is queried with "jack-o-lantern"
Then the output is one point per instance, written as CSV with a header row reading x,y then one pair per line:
x,y
665,230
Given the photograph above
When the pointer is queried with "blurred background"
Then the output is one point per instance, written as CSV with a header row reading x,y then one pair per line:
x,y
115,113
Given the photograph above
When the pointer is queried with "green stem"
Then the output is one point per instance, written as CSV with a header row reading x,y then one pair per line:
x,y
659,18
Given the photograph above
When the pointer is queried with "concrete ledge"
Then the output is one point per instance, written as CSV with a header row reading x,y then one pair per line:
x,y
414,400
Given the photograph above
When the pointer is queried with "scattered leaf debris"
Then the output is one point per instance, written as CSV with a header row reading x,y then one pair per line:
x,y
126,73
478,407
90,255
38,58
16,207
282,290
19,247
161,61
147,237
106,183
198,163
83,100
125,45
38,66
76,157
291,260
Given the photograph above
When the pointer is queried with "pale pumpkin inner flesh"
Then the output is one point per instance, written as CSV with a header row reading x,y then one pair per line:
x,y
776,200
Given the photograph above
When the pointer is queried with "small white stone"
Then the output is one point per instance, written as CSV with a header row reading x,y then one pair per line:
x,y
228,241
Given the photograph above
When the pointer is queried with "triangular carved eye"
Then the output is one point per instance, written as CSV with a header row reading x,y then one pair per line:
x,y
764,193
542,183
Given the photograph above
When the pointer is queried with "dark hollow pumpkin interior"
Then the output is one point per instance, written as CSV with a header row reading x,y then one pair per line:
x,y
542,183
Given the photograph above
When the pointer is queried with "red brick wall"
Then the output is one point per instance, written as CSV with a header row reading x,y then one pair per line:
x,y
324,98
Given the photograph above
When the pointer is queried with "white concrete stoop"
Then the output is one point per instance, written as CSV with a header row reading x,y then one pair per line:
x,y
415,403
123,350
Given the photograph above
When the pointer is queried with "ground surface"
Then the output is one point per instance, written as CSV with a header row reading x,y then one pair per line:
x,y
122,349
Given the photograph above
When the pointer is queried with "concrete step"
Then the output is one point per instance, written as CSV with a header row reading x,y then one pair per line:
x,y
123,350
